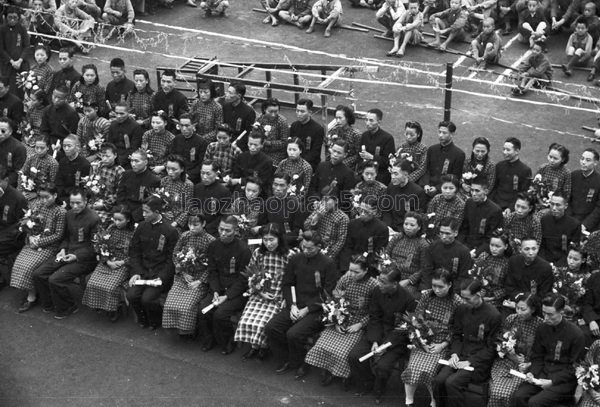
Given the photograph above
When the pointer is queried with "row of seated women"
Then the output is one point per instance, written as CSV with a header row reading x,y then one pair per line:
x,y
276,295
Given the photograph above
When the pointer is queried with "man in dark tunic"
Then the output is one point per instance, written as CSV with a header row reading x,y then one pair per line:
x,y
308,277
211,197
136,184
12,153
377,145
55,279
475,329
443,158
557,346
239,115
309,131
125,133
512,175
72,167
190,146
170,100
228,257
388,302
151,256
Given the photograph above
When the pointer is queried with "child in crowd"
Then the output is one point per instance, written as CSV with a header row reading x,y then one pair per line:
x,y
579,47
534,71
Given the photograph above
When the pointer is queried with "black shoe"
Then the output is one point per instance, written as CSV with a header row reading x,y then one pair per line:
x,y
263,353
208,345
284,368
229,348
26,306
302,372
48,310
64,314
378,398
327,379
250,354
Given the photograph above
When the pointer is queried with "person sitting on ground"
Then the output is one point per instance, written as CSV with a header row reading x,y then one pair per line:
x,y
533,26
389,13
119,13
450,22
433,6
41,20
485,48
299,13
407,29
273,8
534,71
579,47
589,15
328,13
211,7
372,4
75,24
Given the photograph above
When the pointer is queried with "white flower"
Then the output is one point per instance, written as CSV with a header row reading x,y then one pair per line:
x,y
538,178
267,128
33,170
78,95
295,177
28,85
30,224
35,87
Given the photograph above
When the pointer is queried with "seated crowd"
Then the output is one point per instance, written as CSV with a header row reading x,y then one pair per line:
x,y
236,229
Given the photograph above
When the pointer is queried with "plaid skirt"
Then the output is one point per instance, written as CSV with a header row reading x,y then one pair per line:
x,y
181,306
27,261
502,384
422,367
251,328
587,401
103,290
332,350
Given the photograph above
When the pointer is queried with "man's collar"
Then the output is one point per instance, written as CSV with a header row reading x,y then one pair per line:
x,y
157,221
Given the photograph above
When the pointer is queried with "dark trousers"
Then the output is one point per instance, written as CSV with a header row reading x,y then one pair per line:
x,y
53,281
145,301
288,339
386,21
216,324
374,372
449,387
530,395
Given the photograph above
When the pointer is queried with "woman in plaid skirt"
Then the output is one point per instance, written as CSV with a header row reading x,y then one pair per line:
x,y
413,149
191,278
522,222
41,247
448,203
158,141
407,250
104,288
436,307
492,266
41,167
479,165
296,167
180,190
591,397
524,324
277,130
331,351
369,186
271,257
554,175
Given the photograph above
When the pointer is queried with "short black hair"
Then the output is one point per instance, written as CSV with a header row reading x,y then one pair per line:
x,y
117,63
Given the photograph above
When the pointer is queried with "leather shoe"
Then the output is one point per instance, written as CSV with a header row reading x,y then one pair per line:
x,y
250,354
284,368
263,353
327,379
302,372
229,348
26,306
208,345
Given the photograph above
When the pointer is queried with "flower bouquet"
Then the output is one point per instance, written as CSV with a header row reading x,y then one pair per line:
x,y
420,332
540,191
383,262
335,312
28,81
95,144
259,280
587,376
77,104
296,186
568,284
190,261
94,184
32,223
479,273
507,344
102,244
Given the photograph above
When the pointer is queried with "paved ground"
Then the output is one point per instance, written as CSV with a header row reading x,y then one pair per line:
x,y
85,360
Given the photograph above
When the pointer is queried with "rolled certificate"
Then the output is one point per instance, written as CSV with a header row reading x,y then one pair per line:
x,y
379,349
239,138
445,362
153,283
518,374
208,308
293,295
